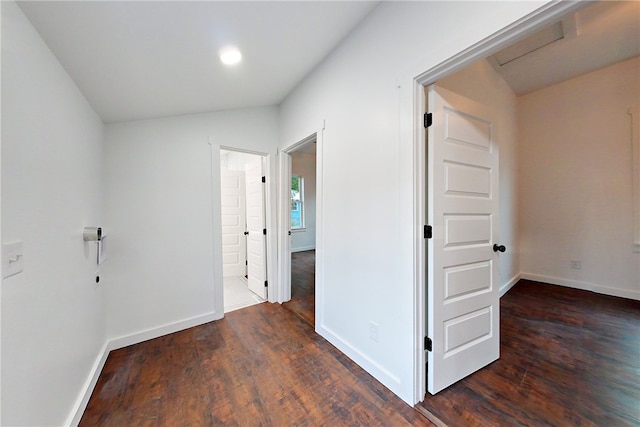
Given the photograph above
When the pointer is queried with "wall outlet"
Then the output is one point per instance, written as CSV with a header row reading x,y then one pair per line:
x,y
576,264
373,331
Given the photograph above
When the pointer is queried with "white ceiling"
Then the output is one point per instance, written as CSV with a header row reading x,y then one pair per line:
x,y
143,59
597,36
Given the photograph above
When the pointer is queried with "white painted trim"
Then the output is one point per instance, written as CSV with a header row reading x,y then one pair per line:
x,y
124,341
284,244
361,359
303,248
169,328
284,240
635,174
507,286
585,286
319,310
271,221
216,225
519,29
87,389
419,243
413,84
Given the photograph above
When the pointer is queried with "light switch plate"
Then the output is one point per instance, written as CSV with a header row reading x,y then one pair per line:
x,y
12,259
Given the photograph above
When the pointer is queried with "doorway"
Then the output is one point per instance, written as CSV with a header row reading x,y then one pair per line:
x,y
299,217
242,206
510,272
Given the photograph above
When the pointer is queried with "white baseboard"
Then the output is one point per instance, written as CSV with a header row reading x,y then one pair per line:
x,y
87,388
169,328
303,248
124,341
389,380
505,288
586,286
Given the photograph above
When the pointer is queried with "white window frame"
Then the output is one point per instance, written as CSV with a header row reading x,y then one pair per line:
x,y
301,202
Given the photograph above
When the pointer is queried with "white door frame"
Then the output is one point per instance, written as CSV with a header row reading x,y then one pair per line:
x,y
546,15
284,204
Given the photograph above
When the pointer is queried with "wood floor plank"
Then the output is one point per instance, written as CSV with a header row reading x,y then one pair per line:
x,y
303,286
261,365
568,358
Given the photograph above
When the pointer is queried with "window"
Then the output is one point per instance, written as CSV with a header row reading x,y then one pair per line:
x,y
297,202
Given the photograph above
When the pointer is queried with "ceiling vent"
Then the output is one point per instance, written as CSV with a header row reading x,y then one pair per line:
x,y
558,31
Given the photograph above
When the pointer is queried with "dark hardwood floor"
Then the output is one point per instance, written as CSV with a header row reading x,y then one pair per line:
x,y
259,366
303,286
568,358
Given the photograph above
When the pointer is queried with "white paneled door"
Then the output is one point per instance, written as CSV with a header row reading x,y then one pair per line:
x,y
234,247
256,248
463,298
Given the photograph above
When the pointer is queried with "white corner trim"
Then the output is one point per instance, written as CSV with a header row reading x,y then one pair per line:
x,y
387,378
124,341
507,286
85,393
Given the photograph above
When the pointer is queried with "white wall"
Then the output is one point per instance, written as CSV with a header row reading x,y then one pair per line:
x,y
304,164
159,215
53,325
575,156
364,93
483,84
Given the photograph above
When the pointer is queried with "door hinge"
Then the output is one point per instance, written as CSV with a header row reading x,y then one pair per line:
x,y
428,232
264,231
428,344
266,283
246,262
264,179
428,119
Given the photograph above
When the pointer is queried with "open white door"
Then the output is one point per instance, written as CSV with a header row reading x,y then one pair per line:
x,y
463,297
234,247
256,239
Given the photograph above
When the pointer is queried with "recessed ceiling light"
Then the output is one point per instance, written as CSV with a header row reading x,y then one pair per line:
x,y
230,55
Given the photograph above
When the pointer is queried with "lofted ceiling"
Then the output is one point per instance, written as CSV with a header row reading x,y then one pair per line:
x,y
597,36
144,59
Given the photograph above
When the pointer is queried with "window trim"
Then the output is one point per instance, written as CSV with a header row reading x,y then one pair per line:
x,y
301,201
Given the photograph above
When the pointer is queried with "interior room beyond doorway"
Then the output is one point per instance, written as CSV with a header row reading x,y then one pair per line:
x,y
243,218
302,223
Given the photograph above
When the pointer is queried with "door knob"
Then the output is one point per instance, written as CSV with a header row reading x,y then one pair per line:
x,y
499,248
246,233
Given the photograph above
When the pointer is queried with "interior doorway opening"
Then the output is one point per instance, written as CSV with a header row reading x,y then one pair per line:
x,y
243,219
509,271
302,223
298,204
